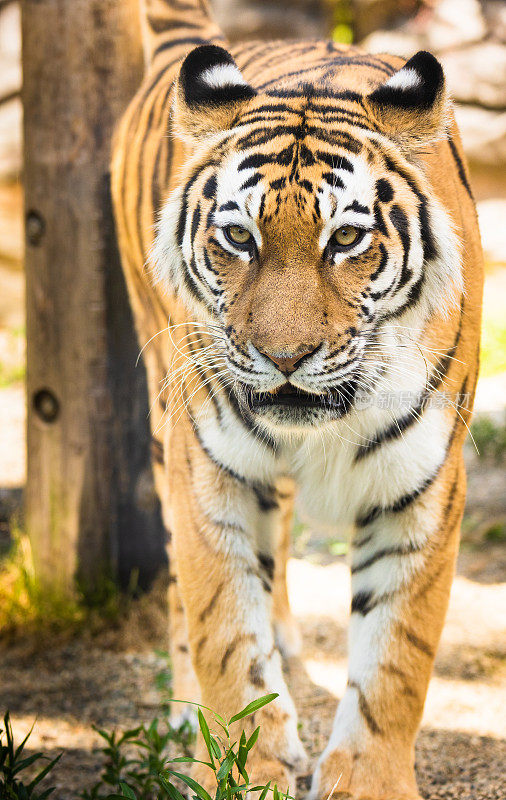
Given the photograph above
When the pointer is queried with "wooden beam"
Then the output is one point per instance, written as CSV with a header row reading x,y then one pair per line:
x,y
90,506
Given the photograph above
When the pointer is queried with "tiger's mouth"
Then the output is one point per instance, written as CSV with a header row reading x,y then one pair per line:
x,y
337,400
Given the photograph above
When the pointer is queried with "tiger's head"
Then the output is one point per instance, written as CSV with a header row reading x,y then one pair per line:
x,y
306,229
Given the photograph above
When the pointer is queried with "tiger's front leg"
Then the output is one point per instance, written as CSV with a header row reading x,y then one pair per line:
x,y
222,526
402,567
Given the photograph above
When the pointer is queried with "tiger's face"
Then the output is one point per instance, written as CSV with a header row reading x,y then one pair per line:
x,y
304,243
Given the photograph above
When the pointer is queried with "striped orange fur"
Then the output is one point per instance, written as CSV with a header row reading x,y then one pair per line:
x,y
302,255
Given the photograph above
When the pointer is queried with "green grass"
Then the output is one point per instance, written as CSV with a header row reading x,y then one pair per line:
x,y
13,371
490,438
493,347
10,375
136,766
23,606
496,532
27,608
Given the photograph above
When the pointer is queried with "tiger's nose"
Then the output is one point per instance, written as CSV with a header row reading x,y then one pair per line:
x,y
288,363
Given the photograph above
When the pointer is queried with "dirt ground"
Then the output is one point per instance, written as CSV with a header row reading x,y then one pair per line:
x,y
109,680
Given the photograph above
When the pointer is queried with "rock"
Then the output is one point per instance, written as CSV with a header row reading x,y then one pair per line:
x,y
451,24
11,116
10,50
492,214
11,233
483,134
477,74
398,43
283,19
371,15
455,23
10,76
10,84
494,12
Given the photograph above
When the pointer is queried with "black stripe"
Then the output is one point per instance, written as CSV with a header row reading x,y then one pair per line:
x,y
181,224
443,365
407,499
401,225
185,40
157,450
207,610
417,641
364,602
333,180
163,24
251,181
360,602
266,497
267,563
201,372
379,222
191,284
364,709
210,186
399,426
195,221
247,418
383,262
461,169
385,552
429,245
334,161
356,206
394,431
384,190
399,505
230,206
140,168
364,540
265,494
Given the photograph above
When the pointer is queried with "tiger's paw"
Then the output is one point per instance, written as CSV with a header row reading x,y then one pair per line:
x,y
277,757
183,715
288,636
260,770
342,774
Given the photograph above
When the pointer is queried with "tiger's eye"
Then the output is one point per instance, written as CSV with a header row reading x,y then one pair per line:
x,y
346,235
238,234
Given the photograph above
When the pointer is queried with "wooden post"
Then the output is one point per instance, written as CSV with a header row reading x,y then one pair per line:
x,y
91,509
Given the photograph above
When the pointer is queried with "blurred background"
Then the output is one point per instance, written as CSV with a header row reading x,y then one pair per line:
x,y
97,661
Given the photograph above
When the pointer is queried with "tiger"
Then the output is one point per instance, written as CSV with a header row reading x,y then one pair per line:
x,y
300,245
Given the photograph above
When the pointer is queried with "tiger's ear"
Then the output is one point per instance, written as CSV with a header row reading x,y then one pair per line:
x,y
209,90
412,105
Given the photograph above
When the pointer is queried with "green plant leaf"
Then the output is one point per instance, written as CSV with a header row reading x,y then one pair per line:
x,y
216,747
221,722
204,727
127,791
19,750
254,706
10,738
25,762
171,790
265,791
42,774
252,739
226,765
192,784
115,797
46,793
189,760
